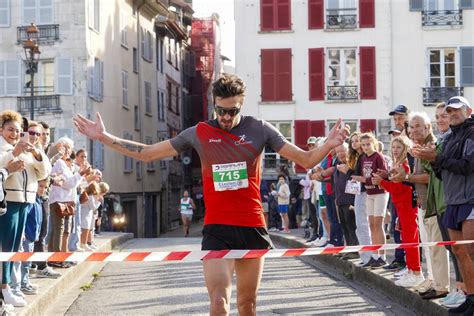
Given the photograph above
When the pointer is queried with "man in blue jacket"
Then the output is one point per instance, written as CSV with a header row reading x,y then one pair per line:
x,y
455,166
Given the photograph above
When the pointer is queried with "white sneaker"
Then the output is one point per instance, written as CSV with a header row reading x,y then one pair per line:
x,y
320,242
86,247
79,249
401,273
410,280
17,292
48,272
7,309
454,299
12,299
423,287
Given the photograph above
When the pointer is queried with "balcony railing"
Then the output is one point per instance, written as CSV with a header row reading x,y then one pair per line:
x,y
47,33
271,164
341,18
342,93
43,104
440,18
435,95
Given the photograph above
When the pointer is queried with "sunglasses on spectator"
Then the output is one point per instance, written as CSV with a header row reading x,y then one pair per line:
x,y
33,133
221,111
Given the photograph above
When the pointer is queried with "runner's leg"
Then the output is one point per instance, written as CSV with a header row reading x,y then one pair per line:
x,y
248,274
218,276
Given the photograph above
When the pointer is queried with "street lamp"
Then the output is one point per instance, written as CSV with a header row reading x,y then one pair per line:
x,y
32,54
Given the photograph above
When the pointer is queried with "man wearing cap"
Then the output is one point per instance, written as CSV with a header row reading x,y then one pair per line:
x,y
400,118
455,166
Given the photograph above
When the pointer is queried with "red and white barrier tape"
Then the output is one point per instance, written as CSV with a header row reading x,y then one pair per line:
x,y
193,256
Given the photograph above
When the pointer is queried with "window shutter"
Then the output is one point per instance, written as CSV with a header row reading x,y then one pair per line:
x,y
315,14
316,74
97,15
318,128
5,13
142,37
91,82
467,66
45,11
150,46
91,13
124,28
124,88
101,84
302,132
268,74
13,77
63,76
283,66
466,4
2,78
98,159
366,13
267,15
367,126
416,5
368,86
29,11
283,15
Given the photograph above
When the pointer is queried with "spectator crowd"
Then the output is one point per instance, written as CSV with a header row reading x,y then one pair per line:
x,y
423,191
50,198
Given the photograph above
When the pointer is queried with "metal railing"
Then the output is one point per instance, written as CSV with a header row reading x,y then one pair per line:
x,y
47,33
441,17
343,92
341,18
435,95
42,90
43,104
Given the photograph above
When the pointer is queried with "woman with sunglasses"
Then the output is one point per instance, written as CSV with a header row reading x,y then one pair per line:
x,y
230,148
20,190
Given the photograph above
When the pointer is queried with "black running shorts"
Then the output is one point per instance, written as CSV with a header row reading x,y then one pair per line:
x,y
222,237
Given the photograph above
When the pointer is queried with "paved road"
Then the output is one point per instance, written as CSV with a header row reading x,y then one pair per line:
x,y
290,286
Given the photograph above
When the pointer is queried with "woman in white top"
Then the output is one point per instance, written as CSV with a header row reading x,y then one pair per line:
x,y
64,194
186,208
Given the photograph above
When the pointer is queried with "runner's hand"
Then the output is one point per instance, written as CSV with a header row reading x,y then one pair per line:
x,y
93,130
338,134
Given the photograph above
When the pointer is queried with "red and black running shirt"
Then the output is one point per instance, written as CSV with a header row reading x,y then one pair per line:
x,y
229,151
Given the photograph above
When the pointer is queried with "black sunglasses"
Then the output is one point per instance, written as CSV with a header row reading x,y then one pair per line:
x,y
221,111
34,133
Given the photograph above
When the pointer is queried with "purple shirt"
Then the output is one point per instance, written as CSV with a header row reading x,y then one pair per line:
x,y
369,165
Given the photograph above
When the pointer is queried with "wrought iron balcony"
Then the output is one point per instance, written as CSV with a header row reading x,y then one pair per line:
x,y
43,104
342,93
442,17
271,164
341,18
47,33
435,95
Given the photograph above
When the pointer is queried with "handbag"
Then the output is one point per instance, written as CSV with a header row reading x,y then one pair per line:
x,y
64,209
84,197
352,187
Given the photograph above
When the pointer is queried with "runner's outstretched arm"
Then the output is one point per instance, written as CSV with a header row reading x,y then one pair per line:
x,y
309,159
96,131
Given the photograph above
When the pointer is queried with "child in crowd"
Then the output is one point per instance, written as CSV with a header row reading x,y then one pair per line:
x,y
377,198
401,194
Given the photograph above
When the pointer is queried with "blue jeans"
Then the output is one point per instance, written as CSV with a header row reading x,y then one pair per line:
x,y
28,246
399,253
335,237
75,236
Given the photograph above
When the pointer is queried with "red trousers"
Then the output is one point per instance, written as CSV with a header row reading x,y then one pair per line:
x,y
407,217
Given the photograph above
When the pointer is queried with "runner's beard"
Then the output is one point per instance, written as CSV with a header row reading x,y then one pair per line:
x,y
226,124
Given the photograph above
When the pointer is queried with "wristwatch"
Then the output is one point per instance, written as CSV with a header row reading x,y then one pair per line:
x,y
407,176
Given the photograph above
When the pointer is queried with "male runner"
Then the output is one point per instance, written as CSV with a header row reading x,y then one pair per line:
x,y
230,148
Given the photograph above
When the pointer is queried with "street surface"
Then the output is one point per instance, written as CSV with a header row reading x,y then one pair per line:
x,y
290,286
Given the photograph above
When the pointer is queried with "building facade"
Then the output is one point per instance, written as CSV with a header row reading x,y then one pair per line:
x,y
101,56
309,62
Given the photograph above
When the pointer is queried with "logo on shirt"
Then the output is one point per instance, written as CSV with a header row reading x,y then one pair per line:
x,y
212,140
243,140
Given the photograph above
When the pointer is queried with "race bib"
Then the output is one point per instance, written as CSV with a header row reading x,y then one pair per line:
x,y
230,176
